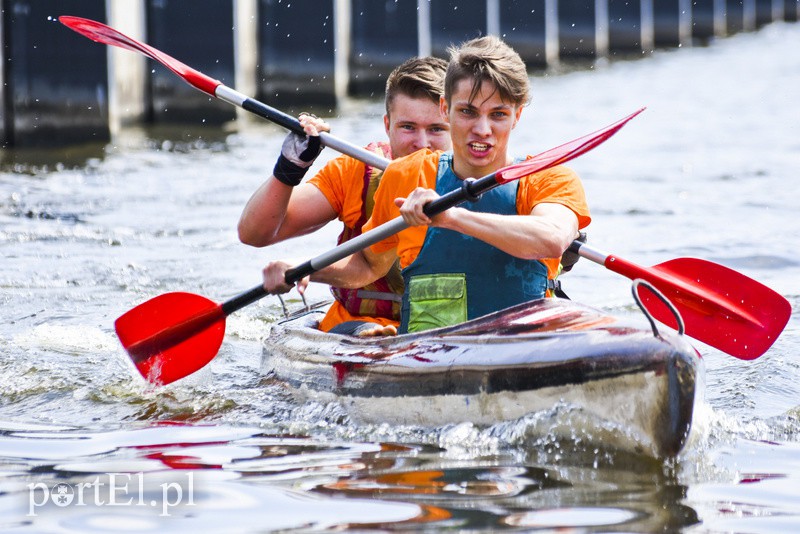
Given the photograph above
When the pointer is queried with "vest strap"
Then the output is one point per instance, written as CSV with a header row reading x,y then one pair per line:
x,y
379,295
555,288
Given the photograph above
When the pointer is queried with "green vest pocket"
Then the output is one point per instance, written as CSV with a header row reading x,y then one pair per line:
x,y
436,300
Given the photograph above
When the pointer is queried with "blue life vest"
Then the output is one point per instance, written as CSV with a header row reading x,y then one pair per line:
x,y
456,277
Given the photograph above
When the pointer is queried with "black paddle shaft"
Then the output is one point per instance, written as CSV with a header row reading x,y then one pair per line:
x,y
271,114
470,190
290,123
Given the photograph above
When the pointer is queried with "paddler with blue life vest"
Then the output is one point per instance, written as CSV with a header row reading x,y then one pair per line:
x,y
283,207
480,257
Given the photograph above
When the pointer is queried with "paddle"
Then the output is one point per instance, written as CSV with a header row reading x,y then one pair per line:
x,y
745,326
175,334
100,33
719,306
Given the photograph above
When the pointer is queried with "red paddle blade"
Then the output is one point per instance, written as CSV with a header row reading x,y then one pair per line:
x,y
100,33
719,306
172,335
562,153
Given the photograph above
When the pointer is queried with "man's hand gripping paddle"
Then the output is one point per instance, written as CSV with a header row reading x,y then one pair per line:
x,y
175,334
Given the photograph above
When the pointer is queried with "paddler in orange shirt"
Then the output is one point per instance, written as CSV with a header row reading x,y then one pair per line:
x,y
283,207
480,257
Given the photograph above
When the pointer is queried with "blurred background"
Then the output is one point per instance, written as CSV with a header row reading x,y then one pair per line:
x,y
59,88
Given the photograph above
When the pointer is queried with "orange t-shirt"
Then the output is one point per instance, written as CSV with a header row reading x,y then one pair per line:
x,y
558,185
341,181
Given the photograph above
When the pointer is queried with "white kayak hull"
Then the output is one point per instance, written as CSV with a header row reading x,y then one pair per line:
x,y
634,390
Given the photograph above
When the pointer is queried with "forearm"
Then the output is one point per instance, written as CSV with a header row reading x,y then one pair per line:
x,y
356,270
264,213
524,236
352,272
268,216
274,214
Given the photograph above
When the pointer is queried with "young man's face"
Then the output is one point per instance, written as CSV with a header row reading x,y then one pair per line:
x,y
414,124
479,129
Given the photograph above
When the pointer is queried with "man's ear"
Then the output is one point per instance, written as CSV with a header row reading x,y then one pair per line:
x,y
443,109
386,123
517,115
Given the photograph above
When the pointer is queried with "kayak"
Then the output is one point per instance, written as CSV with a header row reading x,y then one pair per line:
x,y
637,386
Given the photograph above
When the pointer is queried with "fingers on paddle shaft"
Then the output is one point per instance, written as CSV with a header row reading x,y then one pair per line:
x,y
720,307
172,335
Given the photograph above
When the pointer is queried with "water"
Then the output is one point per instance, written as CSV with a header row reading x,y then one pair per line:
x,y
708,170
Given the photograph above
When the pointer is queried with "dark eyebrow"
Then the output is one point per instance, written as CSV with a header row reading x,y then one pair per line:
x,y
470,105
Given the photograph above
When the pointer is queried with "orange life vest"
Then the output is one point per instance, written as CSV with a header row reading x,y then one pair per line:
x,y
383,297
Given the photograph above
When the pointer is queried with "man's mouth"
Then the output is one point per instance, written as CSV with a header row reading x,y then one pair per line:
x,y
479,147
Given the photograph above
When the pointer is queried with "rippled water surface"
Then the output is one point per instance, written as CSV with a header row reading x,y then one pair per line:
x,y
708,170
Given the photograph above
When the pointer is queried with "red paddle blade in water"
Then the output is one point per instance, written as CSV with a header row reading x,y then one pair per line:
x,y
562,153
100,33
172,335
719,306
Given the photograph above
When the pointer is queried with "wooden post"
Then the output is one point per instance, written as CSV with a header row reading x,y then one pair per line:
x,y
245,43
127,74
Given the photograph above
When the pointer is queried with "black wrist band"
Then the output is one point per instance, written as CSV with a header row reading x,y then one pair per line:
x,y
287,172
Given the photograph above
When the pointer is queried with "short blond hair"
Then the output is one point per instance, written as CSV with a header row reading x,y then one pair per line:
x,y
488,59
418,77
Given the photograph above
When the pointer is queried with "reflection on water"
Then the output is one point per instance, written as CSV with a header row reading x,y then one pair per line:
x,y
171,476
40,162
87,235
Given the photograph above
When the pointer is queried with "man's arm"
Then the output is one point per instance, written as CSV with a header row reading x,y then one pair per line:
x,y
545,233
282,208
354,271
277,212
357,270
